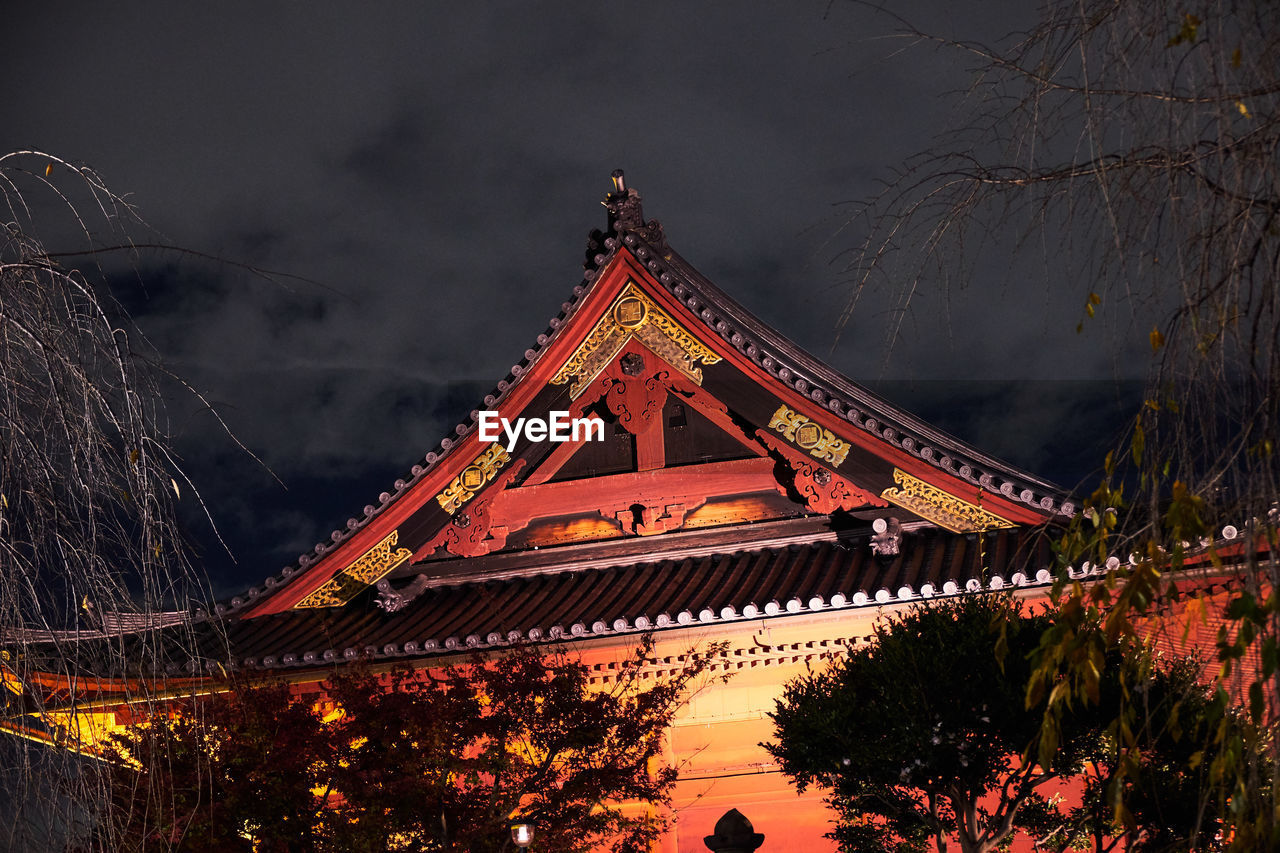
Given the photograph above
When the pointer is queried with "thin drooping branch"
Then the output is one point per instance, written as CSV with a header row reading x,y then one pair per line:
x,y
1127,150
94,560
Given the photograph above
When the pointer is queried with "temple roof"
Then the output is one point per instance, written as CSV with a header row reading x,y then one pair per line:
x,y
736,349
741,478
822,571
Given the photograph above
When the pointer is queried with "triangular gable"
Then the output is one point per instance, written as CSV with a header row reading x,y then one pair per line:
x,y
645,327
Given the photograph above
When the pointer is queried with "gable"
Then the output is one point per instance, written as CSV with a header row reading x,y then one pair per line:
x,y
647,341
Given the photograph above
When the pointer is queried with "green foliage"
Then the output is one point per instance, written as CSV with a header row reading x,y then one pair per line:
x,y
913,734
928,735
408,760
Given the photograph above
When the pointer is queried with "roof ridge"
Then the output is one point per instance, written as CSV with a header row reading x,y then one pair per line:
x,y
844,397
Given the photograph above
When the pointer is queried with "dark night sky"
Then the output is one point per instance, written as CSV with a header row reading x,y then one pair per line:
x,y
434,169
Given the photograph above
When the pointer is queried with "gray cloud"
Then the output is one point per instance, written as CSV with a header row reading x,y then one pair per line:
x,y
433,171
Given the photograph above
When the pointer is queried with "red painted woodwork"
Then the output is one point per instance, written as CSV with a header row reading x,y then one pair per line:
x,y
637,400
1016,512
608,284
822,490
664,495
471,533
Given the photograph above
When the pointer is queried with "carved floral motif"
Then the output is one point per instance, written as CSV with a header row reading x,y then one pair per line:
x,y
473,477
369,568
943,509
819,442
823,490
633,314
472,533
634,398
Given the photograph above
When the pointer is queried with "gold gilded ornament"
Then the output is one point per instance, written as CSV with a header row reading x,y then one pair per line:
x,y
473,477
942,508
368,569
634,315
821,443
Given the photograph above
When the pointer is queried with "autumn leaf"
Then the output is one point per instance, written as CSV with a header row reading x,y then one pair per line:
x,y
1157,339
1187,32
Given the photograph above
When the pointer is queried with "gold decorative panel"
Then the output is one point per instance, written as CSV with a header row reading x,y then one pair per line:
x,y
368,569
634,315
943,509
821,443
473,477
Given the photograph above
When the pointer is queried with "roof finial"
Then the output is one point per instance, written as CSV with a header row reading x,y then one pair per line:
x,y
626,217
625,212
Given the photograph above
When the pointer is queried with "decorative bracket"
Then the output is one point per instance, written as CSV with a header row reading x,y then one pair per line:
x,y
821,489
635,398
471,533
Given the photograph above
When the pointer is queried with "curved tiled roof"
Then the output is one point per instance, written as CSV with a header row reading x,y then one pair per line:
x,y
632,598
420,469
721,316
808,376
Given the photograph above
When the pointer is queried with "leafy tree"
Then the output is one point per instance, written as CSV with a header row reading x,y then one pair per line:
x,y
918,735
411,760
1160,791
1129,147
922,737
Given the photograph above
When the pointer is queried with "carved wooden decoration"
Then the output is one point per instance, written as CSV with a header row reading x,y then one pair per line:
x,y
369,568
823,490
817,441
634,315
942,508
633,390
471,533
473,477
645,520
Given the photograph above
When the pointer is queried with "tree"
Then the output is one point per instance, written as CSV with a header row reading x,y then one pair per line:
x,y
918,736
89,482
1131,147
409,760
923,736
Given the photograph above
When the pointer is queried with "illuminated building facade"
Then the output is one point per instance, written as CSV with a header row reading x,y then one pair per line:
x,y
742,491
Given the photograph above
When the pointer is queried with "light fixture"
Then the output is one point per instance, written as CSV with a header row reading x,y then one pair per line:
x,y
521,833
